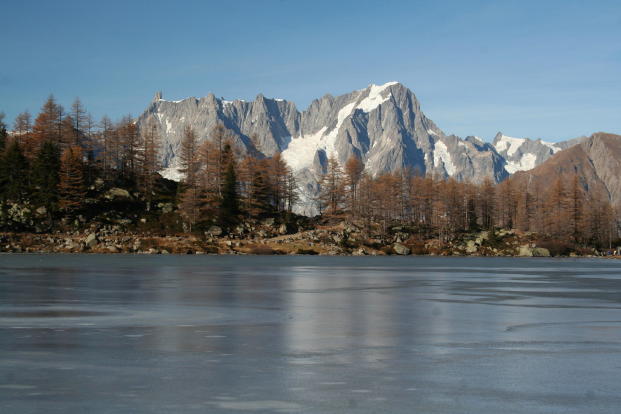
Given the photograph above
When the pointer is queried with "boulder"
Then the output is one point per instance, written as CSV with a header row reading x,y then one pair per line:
x,y
91,240
166,207
471,246
400,249
215,231
541,252
283,229
525,251
359,252
115,193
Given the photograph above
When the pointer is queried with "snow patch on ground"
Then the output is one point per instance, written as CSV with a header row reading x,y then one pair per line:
x,y
172,173
527,162
169,126
441,156
431,132
509,144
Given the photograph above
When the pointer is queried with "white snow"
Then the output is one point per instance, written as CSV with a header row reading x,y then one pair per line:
x,y
301,150
527,162
169,126
441,156
431,132
279,99
509,144
171,173
375,97
179,101
551,145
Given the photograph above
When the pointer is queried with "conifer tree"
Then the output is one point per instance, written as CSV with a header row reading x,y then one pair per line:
x,y
71,186
80,120
353,173
14,174
229,206
190,195
107,145
259,191
332,186
47,124
148,161
3,133
45,175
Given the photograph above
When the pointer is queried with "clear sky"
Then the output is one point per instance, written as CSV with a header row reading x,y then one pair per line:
x,y
549,69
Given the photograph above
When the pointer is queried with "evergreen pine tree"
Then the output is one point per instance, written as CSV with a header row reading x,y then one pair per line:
x,y
229,204
14,174
3,133
45,175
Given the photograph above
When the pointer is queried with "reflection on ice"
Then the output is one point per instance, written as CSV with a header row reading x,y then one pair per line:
x,y
308,334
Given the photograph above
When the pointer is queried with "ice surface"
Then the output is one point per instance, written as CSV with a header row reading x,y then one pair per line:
x,y
207,334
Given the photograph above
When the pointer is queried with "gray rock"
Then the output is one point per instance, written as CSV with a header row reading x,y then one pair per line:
x,y
541,252
471,247
91,240
215,231
116,193
525,251
401,249
166,207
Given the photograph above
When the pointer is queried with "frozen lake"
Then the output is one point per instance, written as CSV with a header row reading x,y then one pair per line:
x,y
206,334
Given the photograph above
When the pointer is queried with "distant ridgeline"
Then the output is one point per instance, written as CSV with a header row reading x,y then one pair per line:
x,y
369,157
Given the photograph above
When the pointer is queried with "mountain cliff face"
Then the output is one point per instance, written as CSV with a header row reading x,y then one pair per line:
x,y
522,154
382,125
596,161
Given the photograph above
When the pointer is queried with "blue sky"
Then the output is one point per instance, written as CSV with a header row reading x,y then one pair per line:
x,y
549,69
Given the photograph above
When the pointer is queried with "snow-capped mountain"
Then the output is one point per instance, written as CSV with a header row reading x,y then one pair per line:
x,y
523,154
594,160
382,125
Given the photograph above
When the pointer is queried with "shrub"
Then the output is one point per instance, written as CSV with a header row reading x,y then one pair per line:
x,y
307,251
556,247
264,250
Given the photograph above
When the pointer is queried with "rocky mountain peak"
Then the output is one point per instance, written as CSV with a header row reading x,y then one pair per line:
x,y
382,125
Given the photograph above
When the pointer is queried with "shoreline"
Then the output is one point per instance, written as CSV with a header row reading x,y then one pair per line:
x,y
328,241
